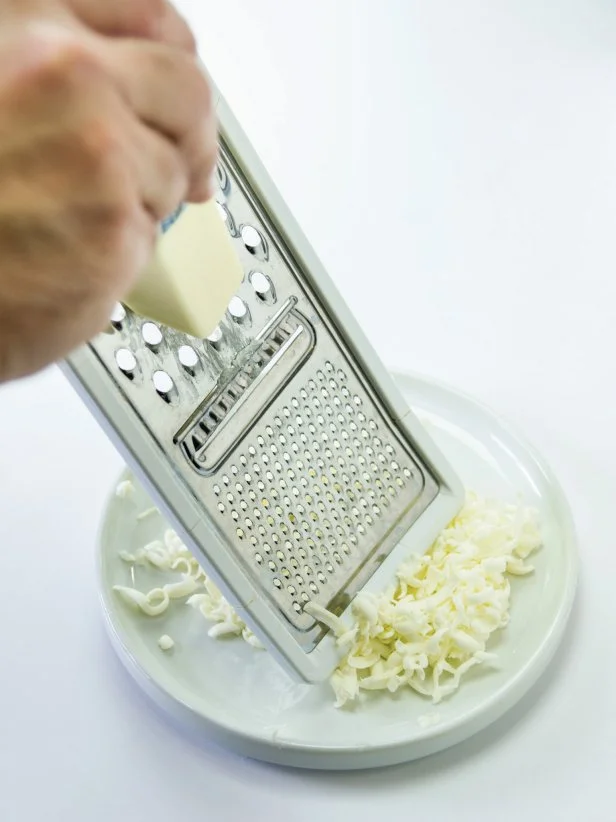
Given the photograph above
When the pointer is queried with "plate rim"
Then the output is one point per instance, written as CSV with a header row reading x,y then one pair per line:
x,y
271,749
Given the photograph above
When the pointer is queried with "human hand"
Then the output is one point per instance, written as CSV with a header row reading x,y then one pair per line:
x,y
105,127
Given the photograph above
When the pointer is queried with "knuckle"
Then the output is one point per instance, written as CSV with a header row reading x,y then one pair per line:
x,y
206,150
172,169
64,62
148,16
198,96
103,166
185,69
115,211
159,20
100,141
180,32
111,202
206,170
199,84
72,58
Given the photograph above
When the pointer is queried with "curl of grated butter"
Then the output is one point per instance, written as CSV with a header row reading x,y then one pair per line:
x,y
166,643
434,624
125,490
171,557
424,633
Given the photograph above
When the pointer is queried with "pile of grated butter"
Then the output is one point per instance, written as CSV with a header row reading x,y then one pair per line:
x,y
425,632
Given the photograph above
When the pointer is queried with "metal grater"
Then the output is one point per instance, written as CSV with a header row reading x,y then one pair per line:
x,y
278,448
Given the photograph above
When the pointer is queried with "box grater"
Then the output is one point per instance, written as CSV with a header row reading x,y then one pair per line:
x,y
279,447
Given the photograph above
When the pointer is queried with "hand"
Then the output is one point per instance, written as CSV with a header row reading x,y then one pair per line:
x,y
156,20
96,148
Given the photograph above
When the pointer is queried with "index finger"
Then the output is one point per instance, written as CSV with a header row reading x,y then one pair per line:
x,y
155,20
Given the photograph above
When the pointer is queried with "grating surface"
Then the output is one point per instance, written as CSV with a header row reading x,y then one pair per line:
x,y
273,427
309,498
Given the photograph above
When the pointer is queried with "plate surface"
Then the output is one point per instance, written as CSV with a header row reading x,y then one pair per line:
x,y
241,699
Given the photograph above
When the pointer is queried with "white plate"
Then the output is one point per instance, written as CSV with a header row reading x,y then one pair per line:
x,y
240,698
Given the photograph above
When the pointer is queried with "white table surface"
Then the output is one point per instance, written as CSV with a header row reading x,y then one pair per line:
x,y
454,163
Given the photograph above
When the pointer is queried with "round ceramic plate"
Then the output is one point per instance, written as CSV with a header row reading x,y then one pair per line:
x,y
239,697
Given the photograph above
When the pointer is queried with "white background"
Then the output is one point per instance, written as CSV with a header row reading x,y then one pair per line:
x,y
454,165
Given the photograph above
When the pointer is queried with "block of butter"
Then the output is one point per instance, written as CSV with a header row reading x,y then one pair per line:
x,y
193,274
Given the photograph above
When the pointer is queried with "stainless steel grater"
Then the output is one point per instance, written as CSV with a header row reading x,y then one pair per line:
x,y
279,448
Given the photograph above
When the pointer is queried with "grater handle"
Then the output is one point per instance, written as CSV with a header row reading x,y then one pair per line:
x,y
193,274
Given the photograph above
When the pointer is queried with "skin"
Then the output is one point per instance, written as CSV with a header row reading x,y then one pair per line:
x,y
96,148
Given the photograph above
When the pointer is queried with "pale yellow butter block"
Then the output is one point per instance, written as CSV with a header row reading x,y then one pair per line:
x,y
193,275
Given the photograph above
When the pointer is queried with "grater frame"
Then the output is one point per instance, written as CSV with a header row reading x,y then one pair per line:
x,y
184,511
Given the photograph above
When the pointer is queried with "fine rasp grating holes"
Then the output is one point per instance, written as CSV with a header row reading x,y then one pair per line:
x,y
316,503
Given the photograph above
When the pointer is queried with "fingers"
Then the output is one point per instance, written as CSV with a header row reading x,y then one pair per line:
x,y
133,163
161,136
169,93
200,146
96,147
162,84
161,175
89,166
148,19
